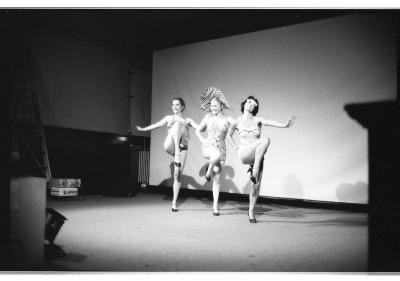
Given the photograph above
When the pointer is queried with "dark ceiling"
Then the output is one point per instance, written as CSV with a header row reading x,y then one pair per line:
x,y
141,31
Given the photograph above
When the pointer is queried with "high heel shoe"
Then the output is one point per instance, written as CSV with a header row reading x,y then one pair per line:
x,y
250,170
252,178
252,220
216,213
174,209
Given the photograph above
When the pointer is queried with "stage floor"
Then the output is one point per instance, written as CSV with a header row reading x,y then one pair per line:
x,y
142,234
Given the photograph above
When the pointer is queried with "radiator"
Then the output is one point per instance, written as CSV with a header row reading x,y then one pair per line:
x,y
144,166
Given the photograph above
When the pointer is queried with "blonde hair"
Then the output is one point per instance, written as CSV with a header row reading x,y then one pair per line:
x,y
212,93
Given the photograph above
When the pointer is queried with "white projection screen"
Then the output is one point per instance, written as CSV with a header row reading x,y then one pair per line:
x,y
310,70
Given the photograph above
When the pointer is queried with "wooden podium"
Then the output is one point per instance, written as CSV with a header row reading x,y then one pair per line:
x,y
381,120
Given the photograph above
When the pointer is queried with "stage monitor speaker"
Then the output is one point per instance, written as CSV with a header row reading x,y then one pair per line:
x,y
120,170
54,222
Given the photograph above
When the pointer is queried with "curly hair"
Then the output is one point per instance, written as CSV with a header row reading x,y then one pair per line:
x,y
212,93
255,110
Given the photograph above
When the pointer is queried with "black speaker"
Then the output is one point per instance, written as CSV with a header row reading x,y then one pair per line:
x,y
120,171
54,222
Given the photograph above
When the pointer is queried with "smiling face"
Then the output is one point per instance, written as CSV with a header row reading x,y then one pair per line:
x,y
176,106
215,107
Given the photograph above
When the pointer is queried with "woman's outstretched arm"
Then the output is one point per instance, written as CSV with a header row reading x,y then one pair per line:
x,y
200,128
191,123
154,126
276,124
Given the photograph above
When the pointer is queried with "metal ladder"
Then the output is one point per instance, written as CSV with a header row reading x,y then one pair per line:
x,y
28,138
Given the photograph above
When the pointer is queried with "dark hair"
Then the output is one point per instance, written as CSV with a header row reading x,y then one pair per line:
x,y
181,102
255,110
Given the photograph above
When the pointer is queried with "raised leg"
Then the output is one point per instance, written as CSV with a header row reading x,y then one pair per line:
x,y
212,163
176,133
214,157
172,144
260,151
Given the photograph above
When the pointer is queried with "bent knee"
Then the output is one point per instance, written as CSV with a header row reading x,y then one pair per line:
x,y
169,149
266,141
212,154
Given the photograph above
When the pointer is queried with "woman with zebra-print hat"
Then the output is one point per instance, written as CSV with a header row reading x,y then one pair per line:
x,y
252,147
176,142
216,124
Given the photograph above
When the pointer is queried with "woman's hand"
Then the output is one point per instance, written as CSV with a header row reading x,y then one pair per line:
x,y
290,121
139,128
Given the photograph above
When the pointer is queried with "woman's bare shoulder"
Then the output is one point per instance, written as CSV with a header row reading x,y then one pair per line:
x,y
258,119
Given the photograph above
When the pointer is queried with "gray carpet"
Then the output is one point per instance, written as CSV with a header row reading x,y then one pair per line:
x,y
142,234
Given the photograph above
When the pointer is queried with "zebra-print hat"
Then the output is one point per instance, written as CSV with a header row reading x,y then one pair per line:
x,y
209,94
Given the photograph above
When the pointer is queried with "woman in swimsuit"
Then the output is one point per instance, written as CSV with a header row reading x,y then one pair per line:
x,y
216,125
252,148
176,142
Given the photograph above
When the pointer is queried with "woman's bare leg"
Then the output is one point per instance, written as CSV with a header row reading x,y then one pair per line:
x,y
176,132
214,156
171,146
216,187
261,149
254,193
249,154
212,162
214,170
177,179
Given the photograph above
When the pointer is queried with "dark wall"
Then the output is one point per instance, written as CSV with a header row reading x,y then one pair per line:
x,y
83,89
80,84
82,154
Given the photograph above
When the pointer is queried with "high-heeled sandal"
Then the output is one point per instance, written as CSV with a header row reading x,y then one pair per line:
x,y
252,220
174,209
216,213
250,170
